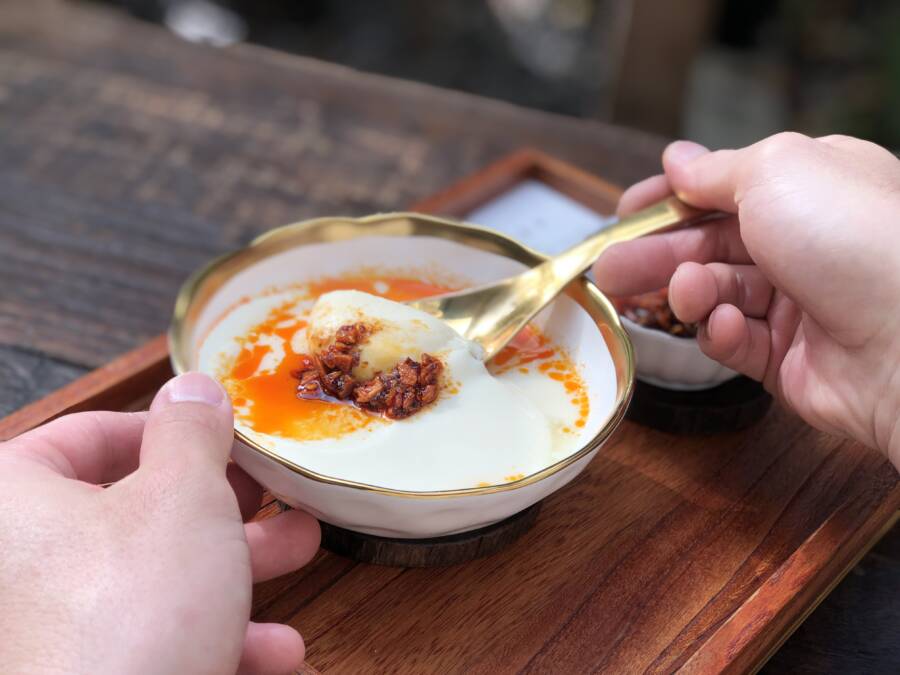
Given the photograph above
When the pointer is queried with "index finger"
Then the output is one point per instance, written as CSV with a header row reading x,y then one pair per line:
x,y
95,447
647,264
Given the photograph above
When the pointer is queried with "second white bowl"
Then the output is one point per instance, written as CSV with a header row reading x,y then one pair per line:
x,y
673,362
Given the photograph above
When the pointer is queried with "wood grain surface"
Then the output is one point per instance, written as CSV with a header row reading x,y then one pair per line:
x,y
127,158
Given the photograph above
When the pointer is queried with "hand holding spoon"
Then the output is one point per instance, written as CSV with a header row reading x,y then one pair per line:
x,y
492,314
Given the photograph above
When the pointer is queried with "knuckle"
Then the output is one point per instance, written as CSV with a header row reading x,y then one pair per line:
x,y
782,145
188,418
839,139
859,149
179,428
772,158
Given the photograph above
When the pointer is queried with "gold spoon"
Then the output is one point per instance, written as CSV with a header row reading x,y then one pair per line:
x,y
491,315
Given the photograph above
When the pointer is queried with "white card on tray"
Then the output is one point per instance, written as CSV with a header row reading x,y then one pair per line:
x,y
539,216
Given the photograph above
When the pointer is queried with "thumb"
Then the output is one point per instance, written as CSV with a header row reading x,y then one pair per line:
x,y
707,180
189,428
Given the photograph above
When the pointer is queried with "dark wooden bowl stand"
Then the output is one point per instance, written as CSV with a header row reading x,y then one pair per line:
x,y
731,406
452,549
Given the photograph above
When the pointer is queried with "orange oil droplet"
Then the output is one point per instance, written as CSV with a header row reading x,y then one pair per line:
x,y
504,356
248,361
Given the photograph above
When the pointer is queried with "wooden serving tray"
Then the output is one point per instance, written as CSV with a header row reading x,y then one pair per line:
x,y
668,552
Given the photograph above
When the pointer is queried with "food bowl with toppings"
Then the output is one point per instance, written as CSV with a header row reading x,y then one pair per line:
x,y
666,350
377,417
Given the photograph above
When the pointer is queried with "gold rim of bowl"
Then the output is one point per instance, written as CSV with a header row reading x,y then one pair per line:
x,y
201,285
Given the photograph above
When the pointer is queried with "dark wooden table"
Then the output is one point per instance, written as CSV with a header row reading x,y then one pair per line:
x,y
128,157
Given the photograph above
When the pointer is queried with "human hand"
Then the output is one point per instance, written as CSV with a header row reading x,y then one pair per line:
x,y
154,573
800,289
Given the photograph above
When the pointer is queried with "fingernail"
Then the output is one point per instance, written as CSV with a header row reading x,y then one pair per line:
x,y
682,152
195,388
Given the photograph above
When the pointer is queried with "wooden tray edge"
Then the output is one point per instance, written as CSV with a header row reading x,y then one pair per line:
x,y
475,189
790,594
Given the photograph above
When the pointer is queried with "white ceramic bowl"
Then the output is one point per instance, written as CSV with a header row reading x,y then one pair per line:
x,y
673,362
582,320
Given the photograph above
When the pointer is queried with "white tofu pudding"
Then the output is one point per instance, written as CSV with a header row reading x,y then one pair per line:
x,y
340,377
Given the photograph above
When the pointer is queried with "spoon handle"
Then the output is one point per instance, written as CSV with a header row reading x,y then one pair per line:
x,y
658,217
